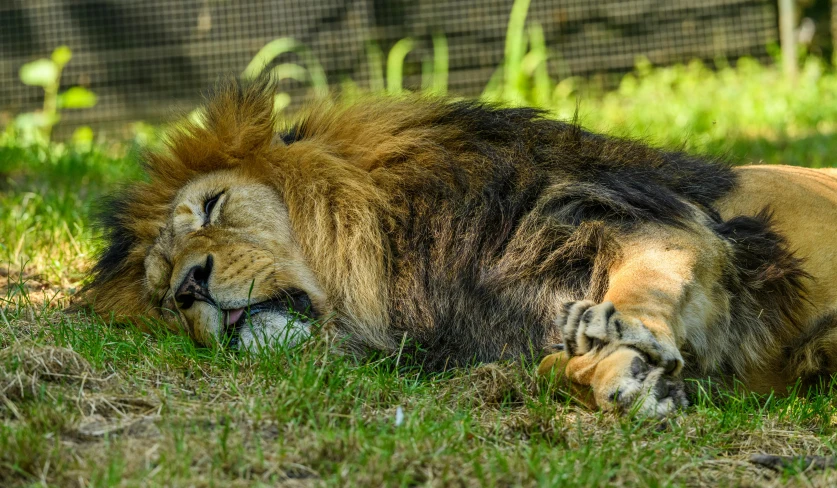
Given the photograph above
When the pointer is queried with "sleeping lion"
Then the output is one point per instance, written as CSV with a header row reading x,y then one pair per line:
x,y
470,233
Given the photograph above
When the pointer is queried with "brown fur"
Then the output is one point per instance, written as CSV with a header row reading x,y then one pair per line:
x,y
460,232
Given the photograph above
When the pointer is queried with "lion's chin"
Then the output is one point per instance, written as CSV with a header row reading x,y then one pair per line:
x,y
269,329
272,324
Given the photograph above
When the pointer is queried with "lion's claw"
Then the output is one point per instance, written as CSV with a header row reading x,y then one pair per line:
x,y
629,370
644,391
587,326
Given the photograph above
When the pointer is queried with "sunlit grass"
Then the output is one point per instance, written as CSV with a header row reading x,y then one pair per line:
x,y
750,111
47,195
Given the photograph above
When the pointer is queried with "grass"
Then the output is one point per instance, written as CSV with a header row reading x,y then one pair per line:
x,y
96,405
749,112
86,403
47,194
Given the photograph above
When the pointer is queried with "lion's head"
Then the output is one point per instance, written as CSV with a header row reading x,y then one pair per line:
x,y
237,225
206,243
359,214
226,262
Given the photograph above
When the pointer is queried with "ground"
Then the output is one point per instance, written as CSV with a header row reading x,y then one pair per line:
x,y
86,403
89,404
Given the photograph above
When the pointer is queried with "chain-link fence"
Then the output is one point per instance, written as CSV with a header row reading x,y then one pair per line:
x,y
151,59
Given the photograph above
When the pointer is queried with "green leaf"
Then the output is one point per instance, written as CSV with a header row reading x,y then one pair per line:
x,y
83,137
77,97
61,56
41,72
266,54
281,102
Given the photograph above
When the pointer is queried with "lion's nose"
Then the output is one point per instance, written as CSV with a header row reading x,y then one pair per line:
x,y
195,286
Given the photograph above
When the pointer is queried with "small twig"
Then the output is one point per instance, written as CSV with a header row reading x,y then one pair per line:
x,y
779,463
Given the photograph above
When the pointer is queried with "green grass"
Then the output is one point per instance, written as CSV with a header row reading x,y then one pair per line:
x,y
86,403
116,406
748,113
47,195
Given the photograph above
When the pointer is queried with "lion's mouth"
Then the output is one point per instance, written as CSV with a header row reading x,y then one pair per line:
x,y
294,302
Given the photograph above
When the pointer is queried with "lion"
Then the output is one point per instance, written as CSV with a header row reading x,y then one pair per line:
x,y
464,233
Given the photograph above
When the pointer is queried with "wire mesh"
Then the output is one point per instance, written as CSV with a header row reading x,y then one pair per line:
x,y
150,60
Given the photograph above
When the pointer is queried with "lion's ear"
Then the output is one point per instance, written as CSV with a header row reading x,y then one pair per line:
x,y
241,115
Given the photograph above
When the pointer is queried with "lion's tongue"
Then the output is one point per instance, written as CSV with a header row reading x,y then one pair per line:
x,y
233,316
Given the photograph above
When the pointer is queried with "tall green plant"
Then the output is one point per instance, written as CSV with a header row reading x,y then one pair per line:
x,y
389,76
46,73
523,78
434,77
514,80
395,65
384,76
310,70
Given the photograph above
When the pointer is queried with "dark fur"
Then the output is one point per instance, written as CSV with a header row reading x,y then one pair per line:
x,y
766,282
513,204
112,218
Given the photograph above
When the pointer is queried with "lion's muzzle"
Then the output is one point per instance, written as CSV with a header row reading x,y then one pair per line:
x,y
195,286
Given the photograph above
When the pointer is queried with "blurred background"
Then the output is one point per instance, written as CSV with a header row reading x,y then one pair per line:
x,y
150,60
142,58
87,85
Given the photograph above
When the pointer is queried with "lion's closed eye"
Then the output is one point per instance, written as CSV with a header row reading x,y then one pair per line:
x,y
209,206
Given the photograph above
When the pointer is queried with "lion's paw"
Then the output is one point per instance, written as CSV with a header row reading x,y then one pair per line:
x,y
587,326
640,390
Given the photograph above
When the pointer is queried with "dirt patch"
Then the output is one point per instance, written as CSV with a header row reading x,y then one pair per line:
x,y
492,384
27,288
96,427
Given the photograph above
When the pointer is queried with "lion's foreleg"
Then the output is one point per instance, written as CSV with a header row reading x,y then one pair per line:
x,y
627,347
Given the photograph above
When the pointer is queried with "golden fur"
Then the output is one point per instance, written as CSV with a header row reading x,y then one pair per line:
x,y
469,233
